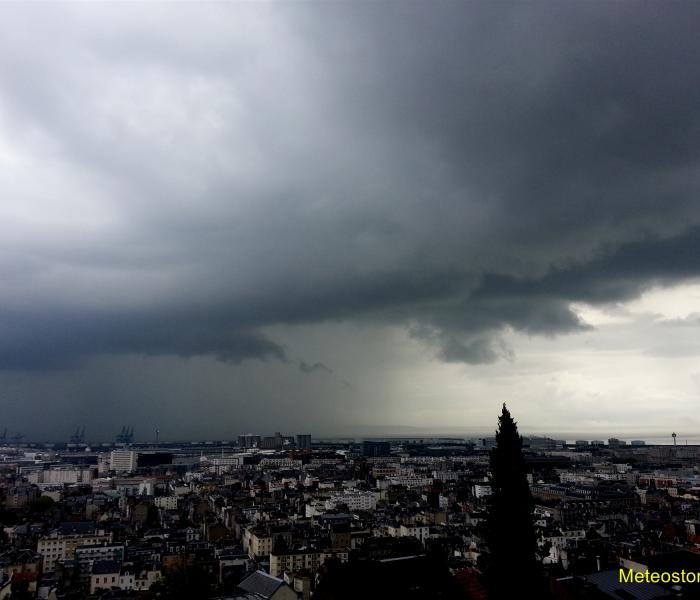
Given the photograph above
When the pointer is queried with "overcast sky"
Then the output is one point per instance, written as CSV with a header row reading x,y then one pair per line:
x,y
346,218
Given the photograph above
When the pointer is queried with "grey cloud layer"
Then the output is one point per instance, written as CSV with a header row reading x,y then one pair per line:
x,y
175,179
543,305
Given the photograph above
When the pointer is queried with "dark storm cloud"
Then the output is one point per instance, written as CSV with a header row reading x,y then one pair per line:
x,y
51,343
542,305
206,172
614,275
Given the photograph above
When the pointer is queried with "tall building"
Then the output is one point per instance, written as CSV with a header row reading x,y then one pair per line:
x,y
370,448
124,461
304,441
277,442
248,440
272,442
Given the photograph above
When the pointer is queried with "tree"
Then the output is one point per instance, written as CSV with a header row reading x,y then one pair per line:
x,y
41,504
512,571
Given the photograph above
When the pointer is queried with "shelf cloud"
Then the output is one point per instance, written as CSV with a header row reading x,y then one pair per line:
x,y
185,180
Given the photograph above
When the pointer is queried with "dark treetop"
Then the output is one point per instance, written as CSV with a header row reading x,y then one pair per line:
x,y
511,533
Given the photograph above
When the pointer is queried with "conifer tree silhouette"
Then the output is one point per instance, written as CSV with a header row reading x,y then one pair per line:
x,y
512,571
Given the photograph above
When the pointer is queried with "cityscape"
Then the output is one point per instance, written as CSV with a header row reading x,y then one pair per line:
x,y
293,516
349,300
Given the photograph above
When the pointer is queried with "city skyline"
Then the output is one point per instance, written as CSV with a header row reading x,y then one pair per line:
x,y
127,435
339,218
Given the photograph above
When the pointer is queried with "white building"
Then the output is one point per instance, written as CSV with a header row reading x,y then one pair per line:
x,y
411,481
87,556
353,499
256,544
61,475
446,475
110,575
419,531
222,464
166,502
310,559
124,461
279,463
58,546
481,490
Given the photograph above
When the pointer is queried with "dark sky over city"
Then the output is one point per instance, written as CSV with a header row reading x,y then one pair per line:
x,y
347,218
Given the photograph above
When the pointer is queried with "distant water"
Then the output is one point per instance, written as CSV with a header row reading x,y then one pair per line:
x,y
659,439
648,438
653,438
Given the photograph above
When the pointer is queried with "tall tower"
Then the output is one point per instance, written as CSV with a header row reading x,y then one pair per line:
x,y
673,435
